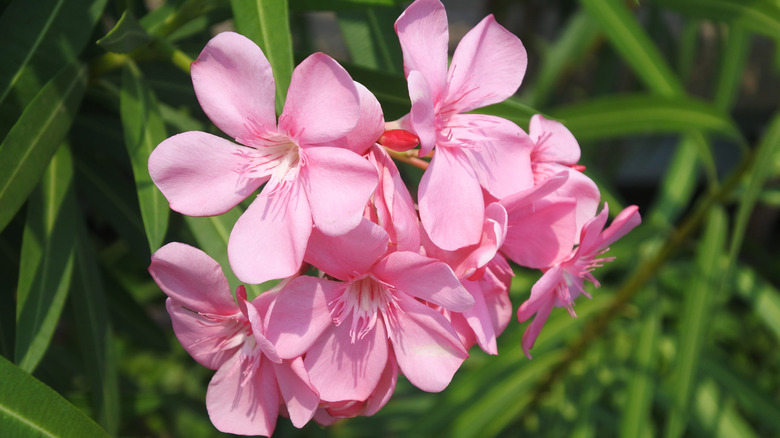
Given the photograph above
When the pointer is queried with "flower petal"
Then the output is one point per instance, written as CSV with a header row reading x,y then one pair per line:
x,y
338,183
235,86
370,126
322,104
352,253
422,117
500,152
209,341
269,239
542,233
487,67
198,173
553,142
243,407
424,36
423,277
344,370
452,208
301,314
298,393
426,347
624,222
192,279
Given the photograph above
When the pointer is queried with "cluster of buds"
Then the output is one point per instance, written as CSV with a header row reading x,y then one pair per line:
x,y
401,287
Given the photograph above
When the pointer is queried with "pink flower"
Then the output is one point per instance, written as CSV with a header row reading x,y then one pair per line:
x,y
348,330
564,281
556,150
472,151
251,381
308,178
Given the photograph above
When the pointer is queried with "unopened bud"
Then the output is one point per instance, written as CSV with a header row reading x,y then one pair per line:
x,y
399,140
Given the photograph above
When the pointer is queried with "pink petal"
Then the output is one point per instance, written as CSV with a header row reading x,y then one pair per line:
x,y
235,86
249,409
192,279
423,277
322,103
424,36
351,254
338,184
394,207
487,67
343,370
298,393
370,126
268,241
554,143
422,117
541,292
426,347
501,157
452,208
209,341
478,318
584,190
197,173
533,329
542,233
624,222
384,389
256,323
301,314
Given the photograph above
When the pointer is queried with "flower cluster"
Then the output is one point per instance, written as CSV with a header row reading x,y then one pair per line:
x,y
402,288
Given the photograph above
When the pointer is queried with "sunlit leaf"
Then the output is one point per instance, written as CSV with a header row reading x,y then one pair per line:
x,y
29,408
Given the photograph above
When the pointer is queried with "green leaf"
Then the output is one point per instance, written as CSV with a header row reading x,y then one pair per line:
x,y
94,331
694,321
717,415
762,296
634,45
29,408
370,39
47,261
636,412
266,22
609,117
126,36
389,88
144,130
27,149
566,54
511,109
760,16
38,40
338,5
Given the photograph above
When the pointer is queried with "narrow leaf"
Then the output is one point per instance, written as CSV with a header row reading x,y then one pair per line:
x,y
370,39
340,5
694,320
47,261
95,334
30,408
126,36
610,117
760,16
144,130
27,149
40,40
267,23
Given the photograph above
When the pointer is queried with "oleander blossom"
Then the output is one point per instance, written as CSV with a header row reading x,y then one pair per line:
x,y
371,315
252,381
473,152
310,174
565,279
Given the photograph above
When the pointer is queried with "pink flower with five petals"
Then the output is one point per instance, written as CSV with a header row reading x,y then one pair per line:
x,y
472,151
308,178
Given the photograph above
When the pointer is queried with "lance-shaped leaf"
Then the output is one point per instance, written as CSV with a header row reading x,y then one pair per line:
x,y
47,261
40,40
126,36
611,117
27,149
760,16
144,130
30,408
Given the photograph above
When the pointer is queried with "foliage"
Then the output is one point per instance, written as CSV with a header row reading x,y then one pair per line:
x,y
681,339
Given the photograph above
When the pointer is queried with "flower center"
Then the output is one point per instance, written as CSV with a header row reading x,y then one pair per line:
x,y
365,300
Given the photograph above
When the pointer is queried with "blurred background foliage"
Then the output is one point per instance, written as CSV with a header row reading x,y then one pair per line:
x,y
674,103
